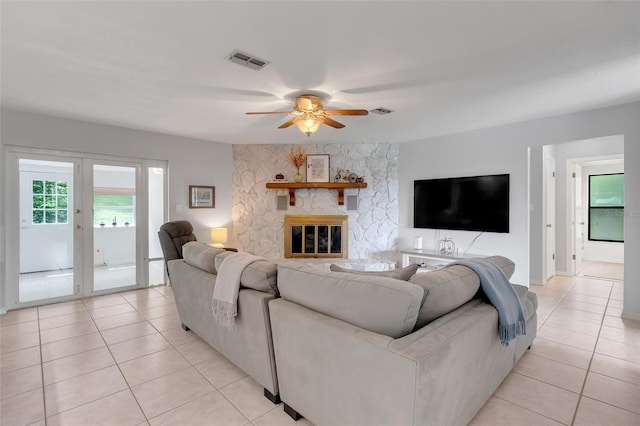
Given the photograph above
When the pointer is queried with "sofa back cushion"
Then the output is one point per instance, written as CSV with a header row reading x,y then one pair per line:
x,y
379,304
261,275
451,287
201,256
444,290
399,274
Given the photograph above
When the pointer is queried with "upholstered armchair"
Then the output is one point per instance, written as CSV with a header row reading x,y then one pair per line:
x,y
173,235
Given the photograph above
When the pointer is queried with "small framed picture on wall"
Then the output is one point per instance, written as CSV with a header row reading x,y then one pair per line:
x,y
202,197
318,168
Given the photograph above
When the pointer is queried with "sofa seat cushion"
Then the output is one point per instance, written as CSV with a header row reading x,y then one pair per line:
x,y
201,256
399,274
261,275
451,287
379,304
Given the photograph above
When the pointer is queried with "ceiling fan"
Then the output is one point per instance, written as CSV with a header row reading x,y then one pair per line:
x,y
309,114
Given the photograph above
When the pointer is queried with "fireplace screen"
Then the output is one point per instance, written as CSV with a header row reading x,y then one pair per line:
x,y
315,236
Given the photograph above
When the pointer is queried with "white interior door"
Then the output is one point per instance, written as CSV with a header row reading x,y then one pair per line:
x,y
579,216
47,266
549,174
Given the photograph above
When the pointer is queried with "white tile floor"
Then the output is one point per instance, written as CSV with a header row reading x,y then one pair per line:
x,y
123,359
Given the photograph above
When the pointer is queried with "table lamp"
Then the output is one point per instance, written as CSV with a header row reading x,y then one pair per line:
x,y
218,237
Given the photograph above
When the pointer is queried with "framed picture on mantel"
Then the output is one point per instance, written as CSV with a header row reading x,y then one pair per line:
x,y
202,197
318,168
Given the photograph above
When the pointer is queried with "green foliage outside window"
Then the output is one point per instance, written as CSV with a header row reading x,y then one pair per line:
x,y
606,207
49,202
107,207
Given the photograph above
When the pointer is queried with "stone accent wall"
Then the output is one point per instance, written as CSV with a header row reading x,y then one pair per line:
x,y
258,225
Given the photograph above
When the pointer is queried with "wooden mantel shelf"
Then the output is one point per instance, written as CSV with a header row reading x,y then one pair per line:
x,y
292,186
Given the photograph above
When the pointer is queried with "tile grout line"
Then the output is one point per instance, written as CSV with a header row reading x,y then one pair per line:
x,y
525,408
557,304
191,365
584,383
118,364
44,397
42,363
110,353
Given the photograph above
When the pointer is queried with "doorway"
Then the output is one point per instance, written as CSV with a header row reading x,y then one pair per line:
x,y
47,206
598,193
84,225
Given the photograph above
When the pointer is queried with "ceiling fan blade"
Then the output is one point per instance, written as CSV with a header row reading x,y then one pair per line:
x,y
331,122
269,112
346,112
287,124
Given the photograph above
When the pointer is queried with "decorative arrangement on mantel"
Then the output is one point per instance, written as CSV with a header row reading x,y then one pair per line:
x,y
297,157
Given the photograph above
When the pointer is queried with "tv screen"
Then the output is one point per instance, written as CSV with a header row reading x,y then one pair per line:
x,y
476,203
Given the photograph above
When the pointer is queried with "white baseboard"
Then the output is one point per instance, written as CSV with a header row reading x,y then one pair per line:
x,y
536,282
564,274
605,259
3,311
627,315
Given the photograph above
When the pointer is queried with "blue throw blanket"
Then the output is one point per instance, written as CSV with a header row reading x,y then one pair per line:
x,y
502,296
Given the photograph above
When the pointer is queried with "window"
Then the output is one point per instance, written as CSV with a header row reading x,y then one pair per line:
x,y
606,207
49,202
113,205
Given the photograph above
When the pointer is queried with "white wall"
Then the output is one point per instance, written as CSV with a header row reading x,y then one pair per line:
x,y
2,233
458,156
504,149
2,215
537,216
191,162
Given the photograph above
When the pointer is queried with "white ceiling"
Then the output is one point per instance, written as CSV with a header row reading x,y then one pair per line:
x,y
443,67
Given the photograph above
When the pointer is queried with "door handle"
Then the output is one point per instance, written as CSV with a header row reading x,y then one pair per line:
x,y
548,225
78,211
78,226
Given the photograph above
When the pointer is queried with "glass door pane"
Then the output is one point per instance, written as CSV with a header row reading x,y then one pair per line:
x,y
46,229
156,215
114,227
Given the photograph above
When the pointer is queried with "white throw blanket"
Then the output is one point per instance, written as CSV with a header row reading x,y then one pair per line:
x,y
225,292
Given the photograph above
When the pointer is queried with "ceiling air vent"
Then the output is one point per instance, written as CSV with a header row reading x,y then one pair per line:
x,y
381,111
247,60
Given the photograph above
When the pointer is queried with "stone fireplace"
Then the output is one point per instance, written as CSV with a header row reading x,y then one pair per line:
x,y
315,236
258,221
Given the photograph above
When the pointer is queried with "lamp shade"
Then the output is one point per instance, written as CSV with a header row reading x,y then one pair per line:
x,y
308,123
218,236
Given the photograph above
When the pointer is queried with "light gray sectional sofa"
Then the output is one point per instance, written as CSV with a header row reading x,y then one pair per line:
x,y
344,348
372,350
248,345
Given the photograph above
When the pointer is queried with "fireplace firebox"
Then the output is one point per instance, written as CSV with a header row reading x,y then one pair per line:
x,y
315,236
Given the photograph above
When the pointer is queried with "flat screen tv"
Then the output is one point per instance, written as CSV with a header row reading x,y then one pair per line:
x,y
475,203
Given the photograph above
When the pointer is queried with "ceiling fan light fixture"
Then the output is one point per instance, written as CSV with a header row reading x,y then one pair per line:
x,y
308,123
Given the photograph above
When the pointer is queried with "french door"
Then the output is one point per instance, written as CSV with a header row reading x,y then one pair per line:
x,y
79,226
112,206
47,211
